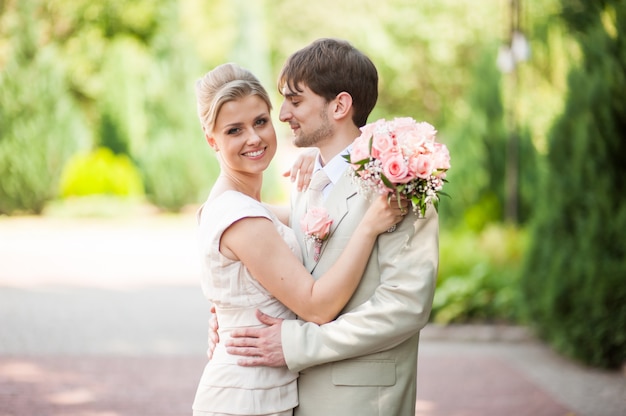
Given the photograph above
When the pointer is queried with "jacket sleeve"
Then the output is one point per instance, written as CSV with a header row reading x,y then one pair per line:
x,y
399,308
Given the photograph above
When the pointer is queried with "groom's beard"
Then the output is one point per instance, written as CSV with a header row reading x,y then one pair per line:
x,y
312,139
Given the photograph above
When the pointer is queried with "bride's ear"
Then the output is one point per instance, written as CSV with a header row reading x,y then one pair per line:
x,y
211,141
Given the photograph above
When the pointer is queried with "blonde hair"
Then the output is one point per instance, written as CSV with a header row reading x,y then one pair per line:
x,y
225,83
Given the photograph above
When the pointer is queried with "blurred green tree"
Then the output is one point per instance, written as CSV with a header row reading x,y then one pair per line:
x,y
477,180
40,126
574,272
427,54
177,165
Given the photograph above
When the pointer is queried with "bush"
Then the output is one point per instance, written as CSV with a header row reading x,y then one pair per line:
x,y
39,125
479,276
177,164
176,172
573,277
100,173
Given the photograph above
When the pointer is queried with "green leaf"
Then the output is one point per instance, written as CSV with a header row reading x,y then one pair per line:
x,y
386,181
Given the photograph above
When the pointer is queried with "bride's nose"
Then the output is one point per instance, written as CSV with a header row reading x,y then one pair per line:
x,y
253,137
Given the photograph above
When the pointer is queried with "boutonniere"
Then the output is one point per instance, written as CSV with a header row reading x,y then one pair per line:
x,y
316,226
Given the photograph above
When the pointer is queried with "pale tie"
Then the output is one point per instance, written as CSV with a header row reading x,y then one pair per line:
x,y
315,196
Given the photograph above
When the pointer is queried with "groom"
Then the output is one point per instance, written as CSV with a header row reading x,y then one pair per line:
x,y
365,362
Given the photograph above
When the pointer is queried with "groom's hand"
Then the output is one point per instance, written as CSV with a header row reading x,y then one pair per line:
x,y
214,338
258,346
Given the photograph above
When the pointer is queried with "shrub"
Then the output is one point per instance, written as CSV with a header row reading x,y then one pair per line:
x,y
573,277
479,276
39,126
177,165
100,172
176,172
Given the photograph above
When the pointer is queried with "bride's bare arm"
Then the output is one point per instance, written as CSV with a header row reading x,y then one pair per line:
x,y
281,211
258,245
300,172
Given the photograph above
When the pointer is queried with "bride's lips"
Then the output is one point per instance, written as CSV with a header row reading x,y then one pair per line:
x,y
255,153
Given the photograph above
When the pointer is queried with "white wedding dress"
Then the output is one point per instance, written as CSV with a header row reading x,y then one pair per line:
x,y
226,388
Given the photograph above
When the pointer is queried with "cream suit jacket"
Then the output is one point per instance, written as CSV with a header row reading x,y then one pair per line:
x,y
365,362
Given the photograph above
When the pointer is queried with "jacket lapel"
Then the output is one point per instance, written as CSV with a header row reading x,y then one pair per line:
x,y
337,205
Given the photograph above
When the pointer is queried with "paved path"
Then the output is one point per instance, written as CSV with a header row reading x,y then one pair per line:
x,y
106,318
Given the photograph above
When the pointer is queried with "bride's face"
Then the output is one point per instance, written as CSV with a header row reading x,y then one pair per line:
x,y
244,135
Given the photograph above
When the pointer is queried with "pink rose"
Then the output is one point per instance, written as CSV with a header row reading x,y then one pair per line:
x,y
421,165
412,141
401,125
441,156
395,168
360,149
382,143
368,130
316,223
426,131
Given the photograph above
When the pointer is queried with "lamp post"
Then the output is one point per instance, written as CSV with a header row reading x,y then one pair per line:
x,y
511,53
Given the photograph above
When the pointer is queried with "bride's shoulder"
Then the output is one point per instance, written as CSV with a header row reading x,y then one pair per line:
x,y
232,204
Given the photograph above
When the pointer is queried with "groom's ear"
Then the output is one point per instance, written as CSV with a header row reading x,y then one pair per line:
x,y
342,105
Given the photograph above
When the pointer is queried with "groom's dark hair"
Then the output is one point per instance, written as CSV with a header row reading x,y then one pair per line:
x,y
330,66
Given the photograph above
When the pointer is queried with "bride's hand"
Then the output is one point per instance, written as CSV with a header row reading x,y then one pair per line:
x,y
302,168
385,213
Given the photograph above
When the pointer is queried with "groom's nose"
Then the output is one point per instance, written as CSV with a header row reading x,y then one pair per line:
x,y
285,114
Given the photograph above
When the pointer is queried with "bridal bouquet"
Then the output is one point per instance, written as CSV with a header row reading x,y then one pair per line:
x,y
316,226
401,157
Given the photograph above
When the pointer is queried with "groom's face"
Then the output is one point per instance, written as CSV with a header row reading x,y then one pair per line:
x,y
307,115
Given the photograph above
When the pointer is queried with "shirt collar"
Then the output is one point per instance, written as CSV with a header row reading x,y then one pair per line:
x,y
336,167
